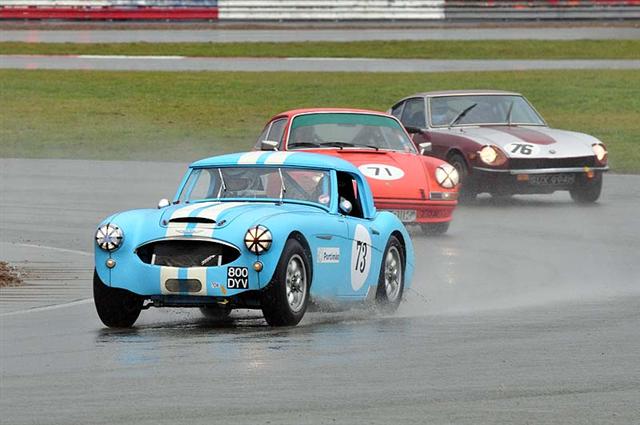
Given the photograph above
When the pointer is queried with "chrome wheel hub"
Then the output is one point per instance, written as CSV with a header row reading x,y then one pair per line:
x,y
392,274
296,283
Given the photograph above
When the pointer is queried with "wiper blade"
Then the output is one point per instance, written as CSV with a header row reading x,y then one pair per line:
x,y
304,144
509,113
339,144
462,114
223,185
283,189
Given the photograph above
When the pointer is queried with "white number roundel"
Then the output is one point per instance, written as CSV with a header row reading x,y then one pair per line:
x,y
381,171
360,257
521,150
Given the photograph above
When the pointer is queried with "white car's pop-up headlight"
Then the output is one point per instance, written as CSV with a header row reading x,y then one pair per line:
x,y
109,237
491,155
600,152
258,239
447,176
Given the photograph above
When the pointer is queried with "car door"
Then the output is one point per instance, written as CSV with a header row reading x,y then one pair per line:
x,y
362,241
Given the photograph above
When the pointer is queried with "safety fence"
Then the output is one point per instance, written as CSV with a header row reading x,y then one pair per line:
x,y
321,10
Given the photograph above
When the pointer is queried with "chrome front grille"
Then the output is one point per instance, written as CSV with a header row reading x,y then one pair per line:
x,y
187,253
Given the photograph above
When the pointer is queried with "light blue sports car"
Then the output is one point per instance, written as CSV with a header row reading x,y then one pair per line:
x,y
266,230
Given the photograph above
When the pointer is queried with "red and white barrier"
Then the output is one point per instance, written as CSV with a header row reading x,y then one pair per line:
x,y
320,10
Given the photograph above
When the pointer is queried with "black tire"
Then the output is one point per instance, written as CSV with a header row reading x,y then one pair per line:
x,y
388,295
117,308
215,313
468,191
277,307
435,229
587,191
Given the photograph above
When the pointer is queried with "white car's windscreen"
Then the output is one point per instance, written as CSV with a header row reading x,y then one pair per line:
x,y
348,130
482,109
279,183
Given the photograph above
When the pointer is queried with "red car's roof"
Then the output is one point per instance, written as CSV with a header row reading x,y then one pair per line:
x,y
294,112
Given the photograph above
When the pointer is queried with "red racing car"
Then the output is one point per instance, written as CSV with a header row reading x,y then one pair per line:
x,y
419,189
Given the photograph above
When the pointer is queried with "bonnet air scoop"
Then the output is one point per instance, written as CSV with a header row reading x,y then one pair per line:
x,y
204,220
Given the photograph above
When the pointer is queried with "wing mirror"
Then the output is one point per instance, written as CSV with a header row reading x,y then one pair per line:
x,y
268,145
164,202
345,206
425,147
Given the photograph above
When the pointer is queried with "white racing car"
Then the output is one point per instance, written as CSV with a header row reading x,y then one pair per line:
x,y
501,145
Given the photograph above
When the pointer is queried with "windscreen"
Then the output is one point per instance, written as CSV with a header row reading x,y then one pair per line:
x,y
482,109
345,130
252,183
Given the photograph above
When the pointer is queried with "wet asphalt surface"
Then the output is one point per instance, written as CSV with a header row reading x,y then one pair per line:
x,y
527,311
179,64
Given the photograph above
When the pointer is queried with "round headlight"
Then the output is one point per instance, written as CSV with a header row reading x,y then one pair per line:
x,y
447,176
599,151
258,239
488,155
109,237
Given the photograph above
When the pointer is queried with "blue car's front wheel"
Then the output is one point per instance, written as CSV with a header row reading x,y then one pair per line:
x,y
117,308
285,299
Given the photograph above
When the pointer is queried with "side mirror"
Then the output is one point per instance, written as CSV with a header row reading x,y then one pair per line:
x,y
164,202
413,130
345,206
425,147
268,145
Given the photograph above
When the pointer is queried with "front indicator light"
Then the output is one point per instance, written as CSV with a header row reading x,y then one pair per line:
x,y
109,237
110,263
443,196
258,239
447,176
258,266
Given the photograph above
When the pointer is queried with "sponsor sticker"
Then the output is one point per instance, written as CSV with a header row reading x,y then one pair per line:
x,y
215,285
237,278
328,255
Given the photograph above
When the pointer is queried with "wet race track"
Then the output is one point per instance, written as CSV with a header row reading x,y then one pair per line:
x,y
527,311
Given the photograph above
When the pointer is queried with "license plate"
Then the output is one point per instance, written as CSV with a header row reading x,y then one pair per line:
x,y
552,179
405,216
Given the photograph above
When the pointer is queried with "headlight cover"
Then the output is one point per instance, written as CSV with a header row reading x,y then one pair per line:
x,y
109,237
600,151
258,239
447,176
492,155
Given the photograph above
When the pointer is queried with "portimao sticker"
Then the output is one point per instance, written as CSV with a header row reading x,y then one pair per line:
x,y
328,255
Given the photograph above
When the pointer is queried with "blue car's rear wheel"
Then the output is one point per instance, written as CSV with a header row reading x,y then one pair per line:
x,y
285,299
117,308
391,281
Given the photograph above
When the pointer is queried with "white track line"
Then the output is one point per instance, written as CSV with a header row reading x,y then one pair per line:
x,y
54,306
52,248
48,307
125,57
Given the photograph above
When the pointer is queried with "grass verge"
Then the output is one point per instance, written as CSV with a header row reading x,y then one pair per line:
x,y
446,49
184,116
